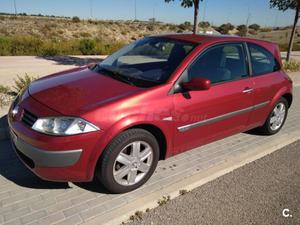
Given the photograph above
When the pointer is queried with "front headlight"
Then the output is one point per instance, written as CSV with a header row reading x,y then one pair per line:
x,y
63,126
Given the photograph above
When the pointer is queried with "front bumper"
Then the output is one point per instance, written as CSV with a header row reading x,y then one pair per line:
x,y
54,158
35,157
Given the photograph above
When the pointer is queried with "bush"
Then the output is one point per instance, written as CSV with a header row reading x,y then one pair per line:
x,y
50,51
242,30
87,46
291,66
21,83
15,45
225,28
284,47
204,24
254,26
265,29
75,19
7,94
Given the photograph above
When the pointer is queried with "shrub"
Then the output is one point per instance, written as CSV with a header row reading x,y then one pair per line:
x,y
87,46
284,47
204,24
50,51
242,30
265,29
164,200
225,28
85,34
254,26
21,83
4,89
28,45
75,19
291,66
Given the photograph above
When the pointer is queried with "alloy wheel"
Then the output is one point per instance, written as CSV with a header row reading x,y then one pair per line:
x,y
277,117
133,163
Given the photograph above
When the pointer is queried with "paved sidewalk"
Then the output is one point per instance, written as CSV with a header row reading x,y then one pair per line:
x,y
25,199
253,194
11,66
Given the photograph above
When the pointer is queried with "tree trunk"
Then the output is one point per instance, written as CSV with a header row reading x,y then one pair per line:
x,y
288,55
196,12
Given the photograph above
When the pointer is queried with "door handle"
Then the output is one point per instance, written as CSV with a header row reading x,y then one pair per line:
x,y
247,90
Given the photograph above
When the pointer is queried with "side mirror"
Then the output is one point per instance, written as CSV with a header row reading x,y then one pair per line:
x,y
197,84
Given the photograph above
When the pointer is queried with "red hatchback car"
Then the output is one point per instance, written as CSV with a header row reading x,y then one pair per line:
x,y
152,99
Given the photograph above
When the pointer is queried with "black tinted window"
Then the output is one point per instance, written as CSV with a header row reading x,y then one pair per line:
x,y
220,63
149,61
262,60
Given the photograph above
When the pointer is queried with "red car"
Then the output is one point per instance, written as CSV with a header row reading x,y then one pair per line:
x,y
153,99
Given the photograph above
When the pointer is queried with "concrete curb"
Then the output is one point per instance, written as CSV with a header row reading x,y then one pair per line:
x,y
192,182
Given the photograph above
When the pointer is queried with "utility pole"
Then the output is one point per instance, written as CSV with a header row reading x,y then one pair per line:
x,y
15,5
276,19
248,20
91,8
153,14
134,10
204,12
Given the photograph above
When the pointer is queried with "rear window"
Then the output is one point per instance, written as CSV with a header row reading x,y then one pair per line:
x,y
262,60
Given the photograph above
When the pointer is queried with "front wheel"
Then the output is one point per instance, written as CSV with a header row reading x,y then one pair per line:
x,y
128,161
276,118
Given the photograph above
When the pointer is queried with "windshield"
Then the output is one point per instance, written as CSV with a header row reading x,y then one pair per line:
x,y
147,62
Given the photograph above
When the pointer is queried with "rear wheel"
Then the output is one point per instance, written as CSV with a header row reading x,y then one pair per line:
x,y
276,118
128,161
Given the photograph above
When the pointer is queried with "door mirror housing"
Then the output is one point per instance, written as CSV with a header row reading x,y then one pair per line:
x,y
197,84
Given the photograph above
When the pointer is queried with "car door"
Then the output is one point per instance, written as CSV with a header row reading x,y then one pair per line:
x,y
207,115
266,83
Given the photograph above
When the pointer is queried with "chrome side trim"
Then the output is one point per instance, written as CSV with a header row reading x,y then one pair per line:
x,y
221,117
168,118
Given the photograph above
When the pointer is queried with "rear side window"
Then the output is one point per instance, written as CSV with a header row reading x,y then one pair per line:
x,y
225,62
262,60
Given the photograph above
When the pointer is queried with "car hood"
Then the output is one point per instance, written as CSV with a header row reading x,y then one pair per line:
x,y
77,91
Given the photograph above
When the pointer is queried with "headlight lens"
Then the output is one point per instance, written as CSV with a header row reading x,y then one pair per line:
x,y
63,126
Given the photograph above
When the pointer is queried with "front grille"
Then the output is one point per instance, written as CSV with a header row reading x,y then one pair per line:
x,y
28,118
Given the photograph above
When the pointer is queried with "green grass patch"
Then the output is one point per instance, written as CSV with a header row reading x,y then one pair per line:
x,y
29,45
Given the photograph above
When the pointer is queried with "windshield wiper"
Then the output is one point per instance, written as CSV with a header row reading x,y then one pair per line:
x,y
115,74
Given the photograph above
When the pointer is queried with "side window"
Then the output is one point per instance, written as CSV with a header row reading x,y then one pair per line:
x,y
221,63
262,60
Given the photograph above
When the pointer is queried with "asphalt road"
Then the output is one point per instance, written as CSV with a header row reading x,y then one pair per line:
x,y
254,194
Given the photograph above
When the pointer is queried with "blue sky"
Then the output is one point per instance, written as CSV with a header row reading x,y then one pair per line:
x,y
214,11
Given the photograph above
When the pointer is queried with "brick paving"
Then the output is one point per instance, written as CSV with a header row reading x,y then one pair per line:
x,y
26,199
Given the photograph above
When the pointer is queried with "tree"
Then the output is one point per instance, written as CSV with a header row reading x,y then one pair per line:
x,y
242,30
188,4
254,26
225,28
204,24
284,5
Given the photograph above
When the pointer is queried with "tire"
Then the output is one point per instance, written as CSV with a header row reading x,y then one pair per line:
x,y
125,156
269,128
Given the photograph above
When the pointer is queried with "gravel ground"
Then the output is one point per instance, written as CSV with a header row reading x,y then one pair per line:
x,y
254,194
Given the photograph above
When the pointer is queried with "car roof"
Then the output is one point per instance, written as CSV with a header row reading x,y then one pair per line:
x,y
201,38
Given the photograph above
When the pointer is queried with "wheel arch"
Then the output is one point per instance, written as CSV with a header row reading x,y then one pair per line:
x,y
158,132
159,136
289,98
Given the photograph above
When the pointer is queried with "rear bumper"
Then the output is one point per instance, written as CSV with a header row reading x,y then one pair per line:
x,y
36,157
